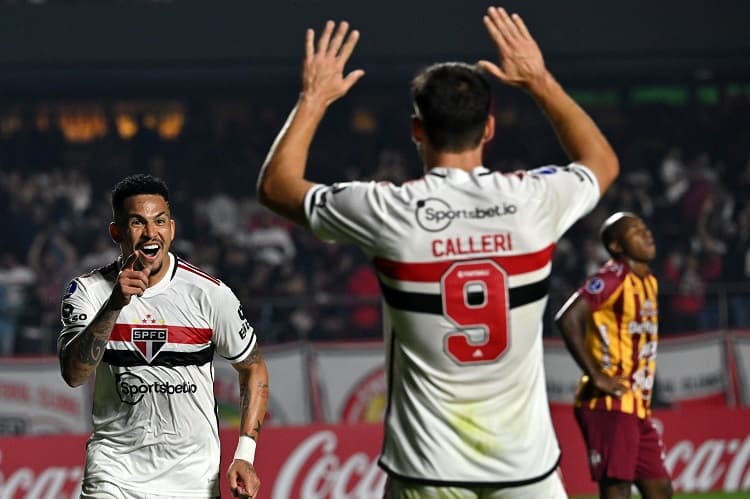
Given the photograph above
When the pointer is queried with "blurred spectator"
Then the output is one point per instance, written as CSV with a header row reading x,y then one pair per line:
x,y
688,177
686,276
15,281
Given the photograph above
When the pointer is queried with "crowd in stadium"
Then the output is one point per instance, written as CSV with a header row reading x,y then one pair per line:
x,y
685,170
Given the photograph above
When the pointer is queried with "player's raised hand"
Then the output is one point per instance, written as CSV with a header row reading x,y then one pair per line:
x,y
130,282
243,480
323,69
520,61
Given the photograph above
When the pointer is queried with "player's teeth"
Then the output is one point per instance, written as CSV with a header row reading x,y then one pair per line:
x,y
151,246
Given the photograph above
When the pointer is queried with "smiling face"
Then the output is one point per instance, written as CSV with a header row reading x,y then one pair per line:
x,y
146,225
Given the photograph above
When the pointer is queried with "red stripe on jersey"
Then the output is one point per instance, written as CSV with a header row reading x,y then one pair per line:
x,y
177,334
196,271
618,308
635,339
433,271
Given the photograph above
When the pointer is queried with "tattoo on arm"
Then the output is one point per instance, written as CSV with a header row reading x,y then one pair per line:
x,y
256,430
80,355
91,349
253,380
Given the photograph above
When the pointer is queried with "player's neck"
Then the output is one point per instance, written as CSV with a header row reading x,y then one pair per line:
x,y
465,160
641,269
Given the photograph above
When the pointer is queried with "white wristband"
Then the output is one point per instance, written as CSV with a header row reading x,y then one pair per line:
x,y
245,449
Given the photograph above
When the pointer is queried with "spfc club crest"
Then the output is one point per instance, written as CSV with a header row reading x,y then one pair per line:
x,y
149,340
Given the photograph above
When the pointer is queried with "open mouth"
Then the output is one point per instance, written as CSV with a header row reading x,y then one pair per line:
x,y
150,250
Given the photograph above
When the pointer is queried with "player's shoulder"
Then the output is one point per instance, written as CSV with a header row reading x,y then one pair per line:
x,y
194,275
92,278
607,279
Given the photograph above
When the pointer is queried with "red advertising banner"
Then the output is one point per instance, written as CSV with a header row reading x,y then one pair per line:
x,y
707,449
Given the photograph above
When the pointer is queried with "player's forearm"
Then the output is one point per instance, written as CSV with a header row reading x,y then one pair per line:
x,y
281,184
576,131
575,342
571,320
253,379
80,355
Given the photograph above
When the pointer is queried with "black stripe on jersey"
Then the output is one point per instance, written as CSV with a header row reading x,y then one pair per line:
x,y
427,303
230,359
443,483
311,199
128,358
174,270
586,173
436,174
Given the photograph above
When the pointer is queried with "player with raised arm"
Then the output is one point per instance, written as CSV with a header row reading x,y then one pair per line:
x,y
610,326
463,256
148,325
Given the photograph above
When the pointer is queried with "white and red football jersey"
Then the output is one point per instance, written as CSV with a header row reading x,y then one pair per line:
x,y
155,421
463,260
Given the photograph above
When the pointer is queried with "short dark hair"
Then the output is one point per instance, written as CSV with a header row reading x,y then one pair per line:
x,y
612,227
133,185
452,99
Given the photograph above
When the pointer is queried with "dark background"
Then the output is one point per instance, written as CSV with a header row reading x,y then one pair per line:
x,y
110,46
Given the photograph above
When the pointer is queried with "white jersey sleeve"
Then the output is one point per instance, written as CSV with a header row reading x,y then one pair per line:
x,y
348,212
233,335
82,300
570,193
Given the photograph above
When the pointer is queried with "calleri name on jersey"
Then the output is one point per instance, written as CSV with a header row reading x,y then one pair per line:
x,y
155,425
463,260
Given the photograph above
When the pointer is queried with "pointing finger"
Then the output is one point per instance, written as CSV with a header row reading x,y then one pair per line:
x,y
129,263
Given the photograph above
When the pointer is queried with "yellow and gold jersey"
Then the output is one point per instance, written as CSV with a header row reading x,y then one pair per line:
x,y
622,334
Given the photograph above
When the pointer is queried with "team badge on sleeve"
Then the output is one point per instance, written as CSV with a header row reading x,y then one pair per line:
x,y
71,289
595,285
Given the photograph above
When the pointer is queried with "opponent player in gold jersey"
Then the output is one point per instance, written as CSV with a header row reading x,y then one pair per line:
x,y
610,326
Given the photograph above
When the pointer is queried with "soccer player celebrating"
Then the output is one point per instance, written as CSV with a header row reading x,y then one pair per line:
x,y
610,326
463,256
148,325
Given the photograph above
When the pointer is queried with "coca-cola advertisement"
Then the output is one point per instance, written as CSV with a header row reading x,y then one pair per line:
x,y
708,449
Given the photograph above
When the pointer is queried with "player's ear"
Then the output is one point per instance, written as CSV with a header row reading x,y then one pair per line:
x,y
114,232
417,130
489,129
615,247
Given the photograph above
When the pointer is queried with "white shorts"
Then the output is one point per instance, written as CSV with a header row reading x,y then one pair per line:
x,y
110,490
548,488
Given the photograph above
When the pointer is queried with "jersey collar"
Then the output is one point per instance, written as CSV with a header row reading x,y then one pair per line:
x,y
456,173
161,285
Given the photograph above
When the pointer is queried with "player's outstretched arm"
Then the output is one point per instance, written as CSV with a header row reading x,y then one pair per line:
x,y
253,379
521,64
281,184
571,320
80,354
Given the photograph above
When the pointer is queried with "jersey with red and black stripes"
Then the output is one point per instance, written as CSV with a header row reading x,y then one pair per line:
x,y
463,259
157,363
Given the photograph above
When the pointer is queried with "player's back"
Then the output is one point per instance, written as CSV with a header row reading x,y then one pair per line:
x,y
464,260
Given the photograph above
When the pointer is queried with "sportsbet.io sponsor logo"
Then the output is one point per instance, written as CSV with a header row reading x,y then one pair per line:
x,y
434,215
132,388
